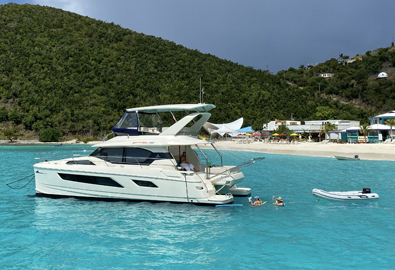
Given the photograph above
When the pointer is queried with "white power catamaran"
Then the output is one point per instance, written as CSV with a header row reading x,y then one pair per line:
x,y
141,163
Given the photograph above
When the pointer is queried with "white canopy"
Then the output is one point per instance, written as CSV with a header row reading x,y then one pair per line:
x,y
201,107
150,141
222,129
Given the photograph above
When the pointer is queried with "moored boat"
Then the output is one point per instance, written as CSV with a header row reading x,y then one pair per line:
x,y
347,158
142,163
365,194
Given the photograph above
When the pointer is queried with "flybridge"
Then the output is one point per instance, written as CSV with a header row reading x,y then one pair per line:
x,y
147,121
201,107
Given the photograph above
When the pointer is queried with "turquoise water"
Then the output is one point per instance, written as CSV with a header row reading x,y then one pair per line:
x,y
45,233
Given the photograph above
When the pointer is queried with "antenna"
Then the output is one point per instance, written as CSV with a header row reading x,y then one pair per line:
x,y
201,92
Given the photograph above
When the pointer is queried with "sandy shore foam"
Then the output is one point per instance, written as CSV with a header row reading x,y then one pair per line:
x,y
374,151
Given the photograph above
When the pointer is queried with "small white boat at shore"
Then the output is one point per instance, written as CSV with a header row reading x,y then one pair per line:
x,y
365,194
347,158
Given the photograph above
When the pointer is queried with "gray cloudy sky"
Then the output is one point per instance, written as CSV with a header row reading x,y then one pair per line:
x,y
275,34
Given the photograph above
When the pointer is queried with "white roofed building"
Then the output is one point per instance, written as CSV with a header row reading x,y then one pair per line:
x,y
312,127
382,75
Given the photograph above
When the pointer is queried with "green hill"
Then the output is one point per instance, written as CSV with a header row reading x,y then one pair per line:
x,y
78,75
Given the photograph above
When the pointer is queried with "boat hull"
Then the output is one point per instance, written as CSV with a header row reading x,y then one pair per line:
x,y
345,195
130,184
346,158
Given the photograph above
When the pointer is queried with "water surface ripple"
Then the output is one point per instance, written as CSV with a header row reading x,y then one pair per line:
x,y
308,233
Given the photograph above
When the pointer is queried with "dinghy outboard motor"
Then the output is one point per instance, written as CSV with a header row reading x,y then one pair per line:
x,y
366,190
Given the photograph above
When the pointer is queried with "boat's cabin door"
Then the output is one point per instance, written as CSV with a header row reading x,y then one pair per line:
x,y
192,157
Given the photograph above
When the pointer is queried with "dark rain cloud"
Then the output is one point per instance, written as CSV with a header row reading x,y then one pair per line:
x,y
262,34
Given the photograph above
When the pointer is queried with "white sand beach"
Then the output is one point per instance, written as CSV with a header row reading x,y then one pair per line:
x,y
374,151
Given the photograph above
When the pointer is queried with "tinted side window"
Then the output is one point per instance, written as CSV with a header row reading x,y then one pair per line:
x,y
142,183
88,179
161,156
113,155
80,162
137,155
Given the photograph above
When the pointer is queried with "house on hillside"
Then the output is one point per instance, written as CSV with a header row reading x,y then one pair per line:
x,y
325,75
382,75
350,60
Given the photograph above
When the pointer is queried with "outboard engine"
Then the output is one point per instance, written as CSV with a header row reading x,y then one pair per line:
x,y
366,190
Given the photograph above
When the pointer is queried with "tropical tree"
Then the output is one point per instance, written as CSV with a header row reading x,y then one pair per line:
x,y
391,123
364,130
328,127
283,129
12,133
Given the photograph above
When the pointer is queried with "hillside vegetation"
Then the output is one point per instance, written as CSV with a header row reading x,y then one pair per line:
x,y
78,75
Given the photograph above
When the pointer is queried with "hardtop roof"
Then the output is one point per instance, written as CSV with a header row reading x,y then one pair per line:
x,y
201,107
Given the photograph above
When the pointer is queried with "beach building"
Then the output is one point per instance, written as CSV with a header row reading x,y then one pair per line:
x,y
380,130
314,128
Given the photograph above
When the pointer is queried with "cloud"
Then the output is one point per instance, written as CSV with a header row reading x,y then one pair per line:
x,y
256,33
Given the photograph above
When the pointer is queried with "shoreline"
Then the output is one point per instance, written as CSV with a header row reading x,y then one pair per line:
x,y
36,142
376,151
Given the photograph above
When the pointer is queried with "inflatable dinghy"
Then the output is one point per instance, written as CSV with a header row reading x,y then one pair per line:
x,y
365,194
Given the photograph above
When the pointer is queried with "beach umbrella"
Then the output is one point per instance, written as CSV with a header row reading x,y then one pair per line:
x,y
255,134
294,134
275,134
248,134
239,134
264,134
282,134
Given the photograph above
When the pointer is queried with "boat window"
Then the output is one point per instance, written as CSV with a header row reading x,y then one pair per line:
x,y
128,124
129,155
80,162
137,155
142,183
150,120
89,179
128,120
113,155
155,156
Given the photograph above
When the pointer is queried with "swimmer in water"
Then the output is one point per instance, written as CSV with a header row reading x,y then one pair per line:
x,y
257,201
278,202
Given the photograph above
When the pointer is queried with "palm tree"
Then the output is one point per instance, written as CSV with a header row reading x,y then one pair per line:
x,y
364,130
391,123
329,127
